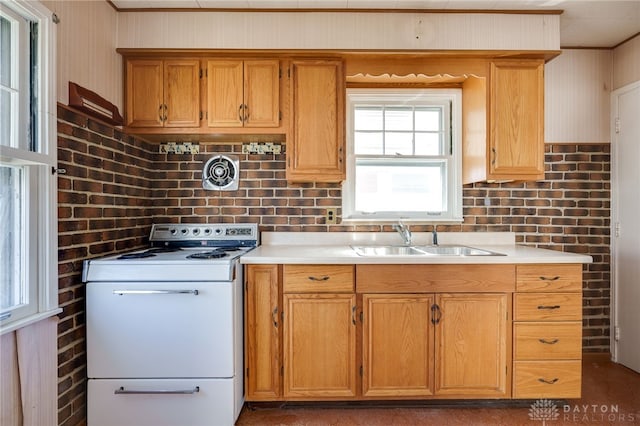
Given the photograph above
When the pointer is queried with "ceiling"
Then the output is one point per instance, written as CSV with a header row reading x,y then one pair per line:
x,y
584,23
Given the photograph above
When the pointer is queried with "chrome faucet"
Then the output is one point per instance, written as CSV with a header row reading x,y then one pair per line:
x,y
434,235
404,231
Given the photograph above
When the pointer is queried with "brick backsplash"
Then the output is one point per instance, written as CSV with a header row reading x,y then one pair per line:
x,y
116,186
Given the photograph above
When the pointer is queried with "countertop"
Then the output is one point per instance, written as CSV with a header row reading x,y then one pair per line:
x,y
335,248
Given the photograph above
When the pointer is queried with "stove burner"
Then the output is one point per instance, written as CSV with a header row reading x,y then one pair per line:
x,y
163,250
136,255
213,254
148,253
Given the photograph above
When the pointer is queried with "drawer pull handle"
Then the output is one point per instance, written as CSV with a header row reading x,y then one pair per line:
x,y
556,278
549,342
549,382
123,391
549,307
325,278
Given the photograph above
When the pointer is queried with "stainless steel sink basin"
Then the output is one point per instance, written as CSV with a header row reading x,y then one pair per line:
x,y
457,251
387,251
445,250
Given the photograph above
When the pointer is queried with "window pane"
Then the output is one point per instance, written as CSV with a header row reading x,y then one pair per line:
x,y
398,143
5,52
429,119
368,143
5,82
385,186
368,118
429,144
12,280
398,118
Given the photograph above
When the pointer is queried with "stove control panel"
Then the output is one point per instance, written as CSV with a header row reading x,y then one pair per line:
x,y
178,232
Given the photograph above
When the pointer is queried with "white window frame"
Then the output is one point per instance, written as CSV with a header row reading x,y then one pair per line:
x,y
40,246
453,212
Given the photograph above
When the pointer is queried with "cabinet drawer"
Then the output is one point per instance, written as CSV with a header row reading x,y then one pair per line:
x,y
547,340
549,277
318,278
547,379
548,307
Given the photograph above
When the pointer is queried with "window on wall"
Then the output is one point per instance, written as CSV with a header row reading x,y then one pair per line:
x,y
28,236
403,155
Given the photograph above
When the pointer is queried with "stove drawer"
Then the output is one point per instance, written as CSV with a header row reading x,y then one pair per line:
x,y
194,402
161,329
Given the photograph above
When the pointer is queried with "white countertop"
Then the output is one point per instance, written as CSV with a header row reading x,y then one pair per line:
x,y
335,248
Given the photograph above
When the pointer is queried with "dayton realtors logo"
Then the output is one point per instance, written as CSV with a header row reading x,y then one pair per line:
x,y
545,410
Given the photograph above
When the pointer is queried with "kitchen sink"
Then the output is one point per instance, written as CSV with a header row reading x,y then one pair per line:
x,y
444,250
387,251
457,251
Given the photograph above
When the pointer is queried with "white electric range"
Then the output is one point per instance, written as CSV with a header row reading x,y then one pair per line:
x,y
164,328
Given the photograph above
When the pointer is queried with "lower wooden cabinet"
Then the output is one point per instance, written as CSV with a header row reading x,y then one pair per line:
x,y
397,345
472,337
319,346
263,333
547,331
332,332
547,379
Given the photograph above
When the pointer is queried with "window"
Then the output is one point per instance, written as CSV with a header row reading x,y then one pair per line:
x,y
403,155
28,235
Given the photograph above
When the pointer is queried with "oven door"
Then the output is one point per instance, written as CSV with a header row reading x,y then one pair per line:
x,y
160,329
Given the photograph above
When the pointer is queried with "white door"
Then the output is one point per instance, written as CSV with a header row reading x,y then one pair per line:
x,y
625,225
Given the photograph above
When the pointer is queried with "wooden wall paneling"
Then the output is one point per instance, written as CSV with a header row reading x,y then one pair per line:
x,y
10,403
626,63
86,43
37,346
577,96
338,30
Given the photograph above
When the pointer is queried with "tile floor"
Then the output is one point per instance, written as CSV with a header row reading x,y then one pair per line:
x,y
610,396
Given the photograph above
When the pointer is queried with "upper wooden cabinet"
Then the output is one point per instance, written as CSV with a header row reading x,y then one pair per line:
x,y
315,148
162,93
503,123
516,132
243,93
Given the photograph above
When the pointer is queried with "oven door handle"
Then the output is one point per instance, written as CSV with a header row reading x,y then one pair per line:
x,y
123,391
123,292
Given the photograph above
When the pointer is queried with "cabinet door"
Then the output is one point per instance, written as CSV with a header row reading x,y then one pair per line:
x,y
262,333
144,97
315,151
397,345
262,93
471,345
182,93
516,139
319,346
224,93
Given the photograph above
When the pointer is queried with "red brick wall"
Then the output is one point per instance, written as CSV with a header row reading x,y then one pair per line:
x,y
116,186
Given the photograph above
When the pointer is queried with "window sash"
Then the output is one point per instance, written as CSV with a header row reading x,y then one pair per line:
x,y
448,155
30,153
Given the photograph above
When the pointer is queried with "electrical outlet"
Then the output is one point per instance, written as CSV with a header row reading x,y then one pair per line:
x,y
331,216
